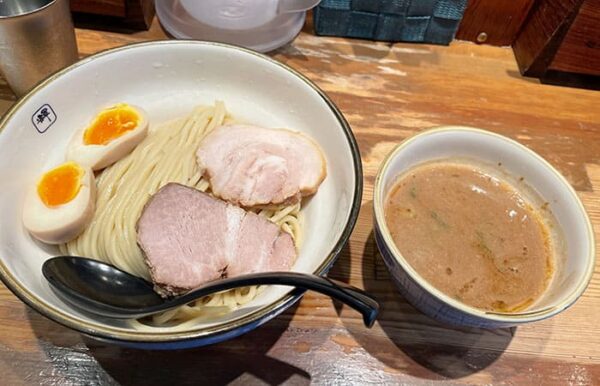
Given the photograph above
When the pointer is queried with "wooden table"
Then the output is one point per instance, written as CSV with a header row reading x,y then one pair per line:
x,y
387,93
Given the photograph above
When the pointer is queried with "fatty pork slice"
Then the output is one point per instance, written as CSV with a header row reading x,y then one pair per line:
x,y
189,238
255,166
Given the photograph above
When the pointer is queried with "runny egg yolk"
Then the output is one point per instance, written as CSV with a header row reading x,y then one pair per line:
x,y
110,124
61,184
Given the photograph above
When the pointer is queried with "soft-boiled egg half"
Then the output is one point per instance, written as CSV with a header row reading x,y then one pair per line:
x,y
61,204
112,134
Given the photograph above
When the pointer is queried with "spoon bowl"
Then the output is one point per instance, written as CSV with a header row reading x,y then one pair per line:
x,y
105,290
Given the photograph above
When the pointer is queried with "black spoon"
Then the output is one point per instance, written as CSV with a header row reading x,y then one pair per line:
x,y
105,290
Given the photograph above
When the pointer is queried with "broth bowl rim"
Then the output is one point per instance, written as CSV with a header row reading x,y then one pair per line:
x,y
495,317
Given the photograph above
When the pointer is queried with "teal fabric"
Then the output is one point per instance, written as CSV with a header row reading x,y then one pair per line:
x,y
426,21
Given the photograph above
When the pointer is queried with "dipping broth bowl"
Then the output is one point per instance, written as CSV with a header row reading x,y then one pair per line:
x,y
572,273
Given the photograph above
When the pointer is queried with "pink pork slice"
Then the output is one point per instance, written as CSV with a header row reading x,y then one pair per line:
x,y
255,166
189,238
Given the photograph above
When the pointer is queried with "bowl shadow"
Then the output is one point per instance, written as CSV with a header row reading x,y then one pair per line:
x,y
243,359
404,338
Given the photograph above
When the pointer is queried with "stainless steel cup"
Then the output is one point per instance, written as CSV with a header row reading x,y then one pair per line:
x,y
36,38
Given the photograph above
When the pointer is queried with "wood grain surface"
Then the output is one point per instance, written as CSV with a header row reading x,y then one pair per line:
x,y
100,7
542,33
387,93
500,21
579,51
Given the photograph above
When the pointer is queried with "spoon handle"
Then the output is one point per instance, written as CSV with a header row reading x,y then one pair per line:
x,y
352,296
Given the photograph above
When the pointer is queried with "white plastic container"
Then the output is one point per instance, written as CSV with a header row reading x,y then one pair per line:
x,y
261,25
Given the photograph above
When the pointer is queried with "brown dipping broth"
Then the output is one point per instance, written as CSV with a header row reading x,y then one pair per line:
x,y
470,235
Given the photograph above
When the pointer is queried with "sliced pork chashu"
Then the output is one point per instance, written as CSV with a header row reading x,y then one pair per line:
x,y
189,238
255,166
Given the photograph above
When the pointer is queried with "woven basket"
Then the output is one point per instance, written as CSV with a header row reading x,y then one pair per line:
x,y
426,21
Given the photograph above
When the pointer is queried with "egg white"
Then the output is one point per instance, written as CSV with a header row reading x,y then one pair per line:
x,y
100,156
60,224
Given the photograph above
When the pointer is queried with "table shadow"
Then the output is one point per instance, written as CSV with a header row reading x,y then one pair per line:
x,y
7,96
410,341
517,75
105,23
93,361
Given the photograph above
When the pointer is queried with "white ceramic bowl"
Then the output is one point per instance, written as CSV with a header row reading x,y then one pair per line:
x,y
168,79
262,25
573,272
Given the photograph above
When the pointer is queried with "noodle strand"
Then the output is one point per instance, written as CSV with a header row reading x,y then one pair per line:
x,y
167,154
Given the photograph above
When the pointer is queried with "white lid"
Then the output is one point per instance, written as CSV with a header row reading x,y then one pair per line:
x,y
262,25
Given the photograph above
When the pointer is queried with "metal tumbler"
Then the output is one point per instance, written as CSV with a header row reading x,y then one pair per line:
x,y
37,38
